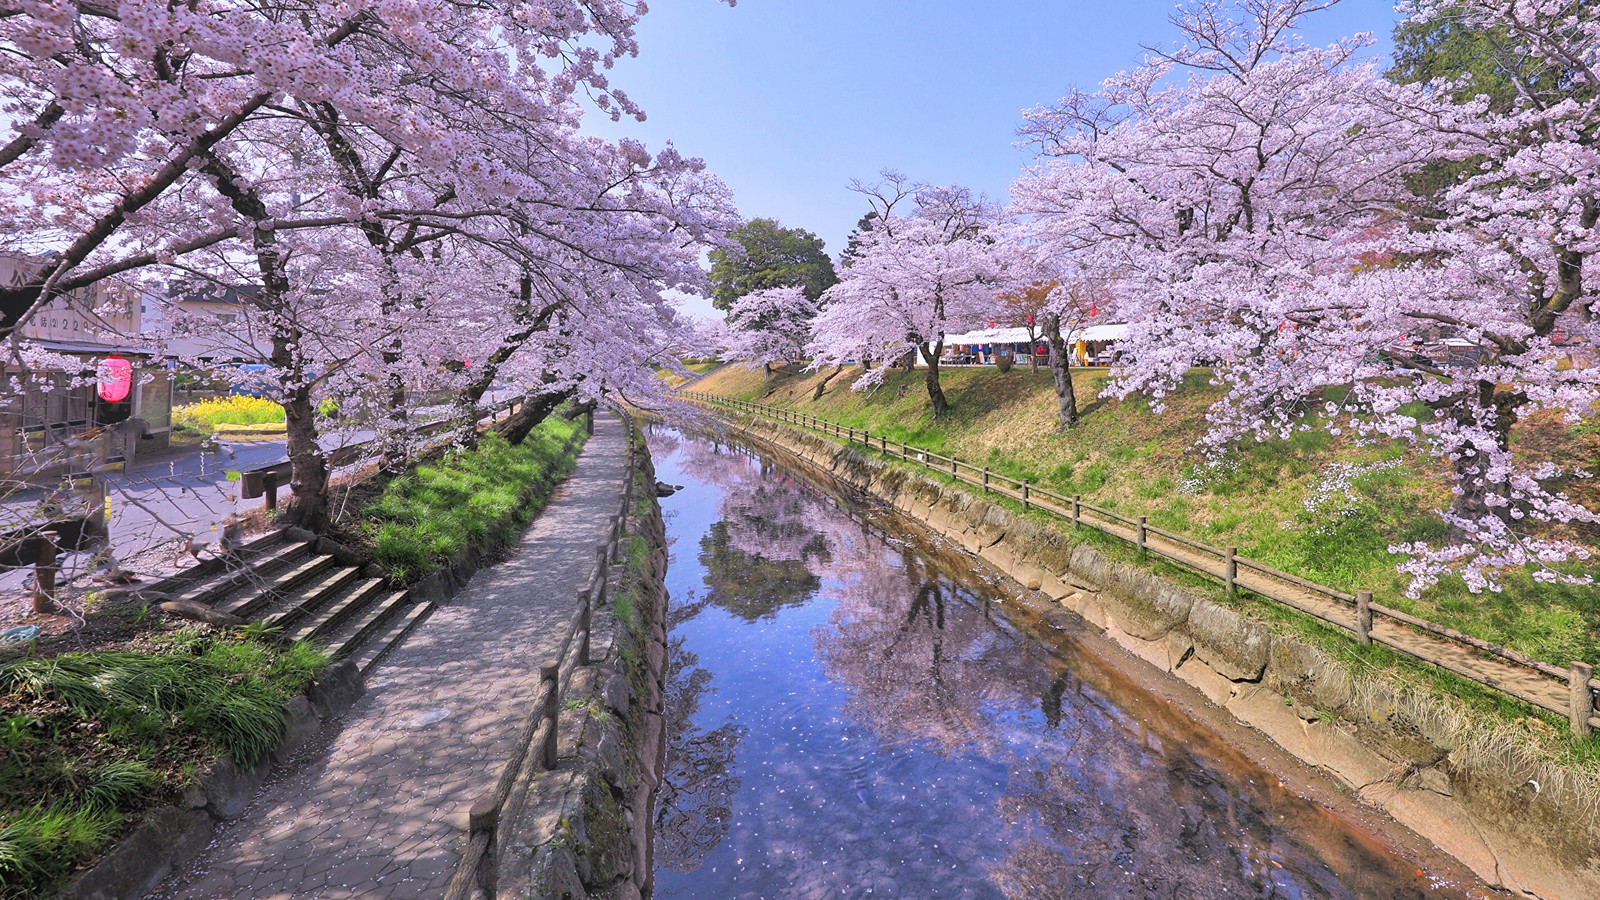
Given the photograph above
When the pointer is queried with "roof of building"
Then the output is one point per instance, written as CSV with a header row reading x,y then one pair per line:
x,y
78,347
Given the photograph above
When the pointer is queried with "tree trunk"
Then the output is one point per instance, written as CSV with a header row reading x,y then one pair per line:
x,y
397,437
1472,472
517,428
1061,372
817,395
308,478
931,378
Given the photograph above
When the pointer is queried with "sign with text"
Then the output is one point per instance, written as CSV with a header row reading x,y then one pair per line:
x,y
99,314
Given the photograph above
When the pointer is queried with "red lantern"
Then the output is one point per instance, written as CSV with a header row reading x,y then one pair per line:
x,y
115,377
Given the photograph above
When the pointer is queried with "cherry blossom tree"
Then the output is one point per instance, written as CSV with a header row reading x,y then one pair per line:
x,y
394,188
1068,309
930,262
768,327
112,106
1245,198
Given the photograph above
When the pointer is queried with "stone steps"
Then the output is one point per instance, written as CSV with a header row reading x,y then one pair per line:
x,y
253,598
285,584
315,625
250,567
308,609
368,639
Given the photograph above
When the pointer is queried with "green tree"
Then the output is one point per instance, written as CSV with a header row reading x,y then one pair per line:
x,y
1478,62
1476,59
769,256
853,245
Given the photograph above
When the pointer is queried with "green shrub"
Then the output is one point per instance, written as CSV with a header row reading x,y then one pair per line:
x,y
40,845
468,497
142,696
70,775
117,785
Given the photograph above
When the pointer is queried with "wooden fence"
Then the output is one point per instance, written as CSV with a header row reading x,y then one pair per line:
x,y
264,481
477,872
1569,692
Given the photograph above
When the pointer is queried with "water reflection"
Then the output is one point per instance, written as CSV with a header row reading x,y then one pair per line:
x,y
694,805
852,713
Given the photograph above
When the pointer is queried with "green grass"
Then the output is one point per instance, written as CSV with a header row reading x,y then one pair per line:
x,y
88,739
1126,458
1544,732
480,497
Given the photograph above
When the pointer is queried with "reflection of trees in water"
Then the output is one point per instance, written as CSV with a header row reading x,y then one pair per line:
x,y
912,647
694,806
749,585
1102,818
664,442
759,558
1093,804
1087,802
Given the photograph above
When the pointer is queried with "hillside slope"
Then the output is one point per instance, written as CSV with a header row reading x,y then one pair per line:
x,y
1321,507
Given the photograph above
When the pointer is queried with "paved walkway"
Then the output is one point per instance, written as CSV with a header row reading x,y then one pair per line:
x,y
383,812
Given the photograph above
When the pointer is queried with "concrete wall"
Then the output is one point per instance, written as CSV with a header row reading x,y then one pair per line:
x,y
1515,820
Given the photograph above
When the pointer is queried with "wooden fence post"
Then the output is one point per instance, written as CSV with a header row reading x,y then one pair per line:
x,y
44,574
484,819
269,483
1077,509
1231,571
550,683
1143,535
1024,495
1580,703
1364,618
986,479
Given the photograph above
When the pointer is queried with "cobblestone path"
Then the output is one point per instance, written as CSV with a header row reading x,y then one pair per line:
x,y
382,812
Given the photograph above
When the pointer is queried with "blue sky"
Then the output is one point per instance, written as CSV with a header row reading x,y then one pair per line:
x,y
788,100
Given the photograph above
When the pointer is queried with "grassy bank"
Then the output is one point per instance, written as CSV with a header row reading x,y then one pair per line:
x,y
88,740
1321,507
479,497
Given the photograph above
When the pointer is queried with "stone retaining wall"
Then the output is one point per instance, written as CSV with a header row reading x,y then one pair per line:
x,y
584,829
1515,821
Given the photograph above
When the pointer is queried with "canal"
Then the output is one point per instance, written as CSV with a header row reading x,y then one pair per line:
x,y
856,710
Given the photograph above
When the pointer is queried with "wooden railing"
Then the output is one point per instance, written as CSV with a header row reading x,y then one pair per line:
x,y
1570,692
264,481
476,872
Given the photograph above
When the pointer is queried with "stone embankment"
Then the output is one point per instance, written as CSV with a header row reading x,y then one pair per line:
x,y
584,829
1515,821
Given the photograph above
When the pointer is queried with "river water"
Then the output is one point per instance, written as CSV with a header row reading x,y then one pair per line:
x,y
855,710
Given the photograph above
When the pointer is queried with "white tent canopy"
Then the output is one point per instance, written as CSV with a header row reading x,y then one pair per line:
x,y
1020,335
